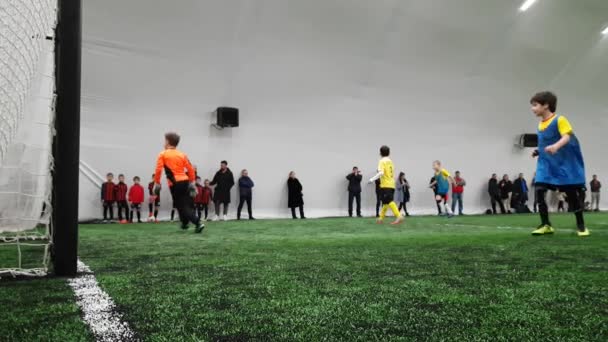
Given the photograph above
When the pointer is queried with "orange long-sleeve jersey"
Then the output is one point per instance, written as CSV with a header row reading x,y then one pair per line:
x,y
176,165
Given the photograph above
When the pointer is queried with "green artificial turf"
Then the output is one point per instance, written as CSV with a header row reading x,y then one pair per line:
x,y
464,279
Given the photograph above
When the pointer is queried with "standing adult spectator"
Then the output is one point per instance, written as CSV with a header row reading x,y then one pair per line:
x,y
378,197
295,197
434,188
494,192
223,181
354,191
535,199
402,195
457,192
245,191
520,194
595,185
506,189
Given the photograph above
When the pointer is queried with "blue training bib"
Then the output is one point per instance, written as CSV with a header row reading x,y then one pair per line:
x,y
567,166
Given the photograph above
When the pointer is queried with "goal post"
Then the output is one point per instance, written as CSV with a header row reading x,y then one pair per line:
x,y
66,145
40,49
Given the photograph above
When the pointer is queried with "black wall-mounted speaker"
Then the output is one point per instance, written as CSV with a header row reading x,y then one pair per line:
x,y
227,117
529,140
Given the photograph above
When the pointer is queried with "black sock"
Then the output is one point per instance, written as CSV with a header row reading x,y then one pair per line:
x,y
155,213
138,216
172,214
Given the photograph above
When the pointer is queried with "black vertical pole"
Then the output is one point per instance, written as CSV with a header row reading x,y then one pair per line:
x,y
66,146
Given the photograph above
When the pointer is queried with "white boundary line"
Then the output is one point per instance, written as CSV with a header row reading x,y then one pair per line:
x,y
98,308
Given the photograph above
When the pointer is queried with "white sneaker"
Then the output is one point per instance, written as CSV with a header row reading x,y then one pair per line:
x,y
216,218
224,218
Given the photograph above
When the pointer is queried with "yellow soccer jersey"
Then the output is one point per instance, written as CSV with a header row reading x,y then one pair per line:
x,y
563,124
387,181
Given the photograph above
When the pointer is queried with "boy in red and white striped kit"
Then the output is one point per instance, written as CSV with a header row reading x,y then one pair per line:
x,y
136,198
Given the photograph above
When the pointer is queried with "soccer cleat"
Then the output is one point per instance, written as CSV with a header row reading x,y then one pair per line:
x,y
199,228
584,233
450,216
543,229
184,226
379,221
397,221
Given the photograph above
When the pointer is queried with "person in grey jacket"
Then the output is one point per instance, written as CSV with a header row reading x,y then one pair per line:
x,y
245,190
354,191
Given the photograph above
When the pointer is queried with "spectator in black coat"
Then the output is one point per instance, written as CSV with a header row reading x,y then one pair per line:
x,y
354,191
245,191
494,192
378,197
223,181
520,193
506,189
295,198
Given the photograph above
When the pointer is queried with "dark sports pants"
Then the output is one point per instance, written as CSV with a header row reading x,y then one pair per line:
x,y
108,208
575,195
184,203
202,208
354,196
242,201
496,199
123,205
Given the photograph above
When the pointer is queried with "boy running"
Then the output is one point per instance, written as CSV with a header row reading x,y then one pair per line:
x,y
560,165
442,182
387,186
175,163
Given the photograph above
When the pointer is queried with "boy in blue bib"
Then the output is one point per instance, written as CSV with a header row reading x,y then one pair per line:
x,y
560,163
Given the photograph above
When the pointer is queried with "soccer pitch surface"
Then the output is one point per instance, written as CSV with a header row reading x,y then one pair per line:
x,y
468,278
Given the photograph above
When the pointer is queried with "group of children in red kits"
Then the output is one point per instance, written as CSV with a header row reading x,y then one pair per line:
x,y
129,200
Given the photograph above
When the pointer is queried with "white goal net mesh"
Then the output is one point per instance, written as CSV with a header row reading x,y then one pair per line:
x,y
26,129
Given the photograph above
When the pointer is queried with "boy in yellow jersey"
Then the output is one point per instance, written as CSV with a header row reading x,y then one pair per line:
x,y
387,185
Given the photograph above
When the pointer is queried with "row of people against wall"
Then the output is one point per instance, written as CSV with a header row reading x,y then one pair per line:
x,y
510,196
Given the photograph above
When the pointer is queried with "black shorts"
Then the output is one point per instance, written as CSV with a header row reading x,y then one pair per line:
x,y
136,206
386,195
561,188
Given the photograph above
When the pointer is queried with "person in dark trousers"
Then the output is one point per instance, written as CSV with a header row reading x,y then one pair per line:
x,y
174,163
434,188
136,198
295,198
223,181
494,192
506,190
108,197
245,191
520,193
595,186
354,191
121,199
378,197
402,195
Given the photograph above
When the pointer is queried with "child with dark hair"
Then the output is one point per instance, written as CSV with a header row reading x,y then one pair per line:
x,y
560,165
108,197
136,198
402,195
121,199
153,202
204,194
386,174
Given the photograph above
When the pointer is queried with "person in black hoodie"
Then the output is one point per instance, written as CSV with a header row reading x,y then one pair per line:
x,y
295,198
506,190
494,192
354,191
245,186
223,181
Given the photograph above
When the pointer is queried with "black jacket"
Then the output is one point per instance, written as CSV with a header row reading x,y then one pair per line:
x,y
295,198
245,186
506,187
354,183
493,187
223,181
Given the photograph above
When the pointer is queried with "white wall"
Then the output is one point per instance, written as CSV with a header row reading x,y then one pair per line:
x,y
322,84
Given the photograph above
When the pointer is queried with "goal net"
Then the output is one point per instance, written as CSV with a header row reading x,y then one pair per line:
x,y
26,128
